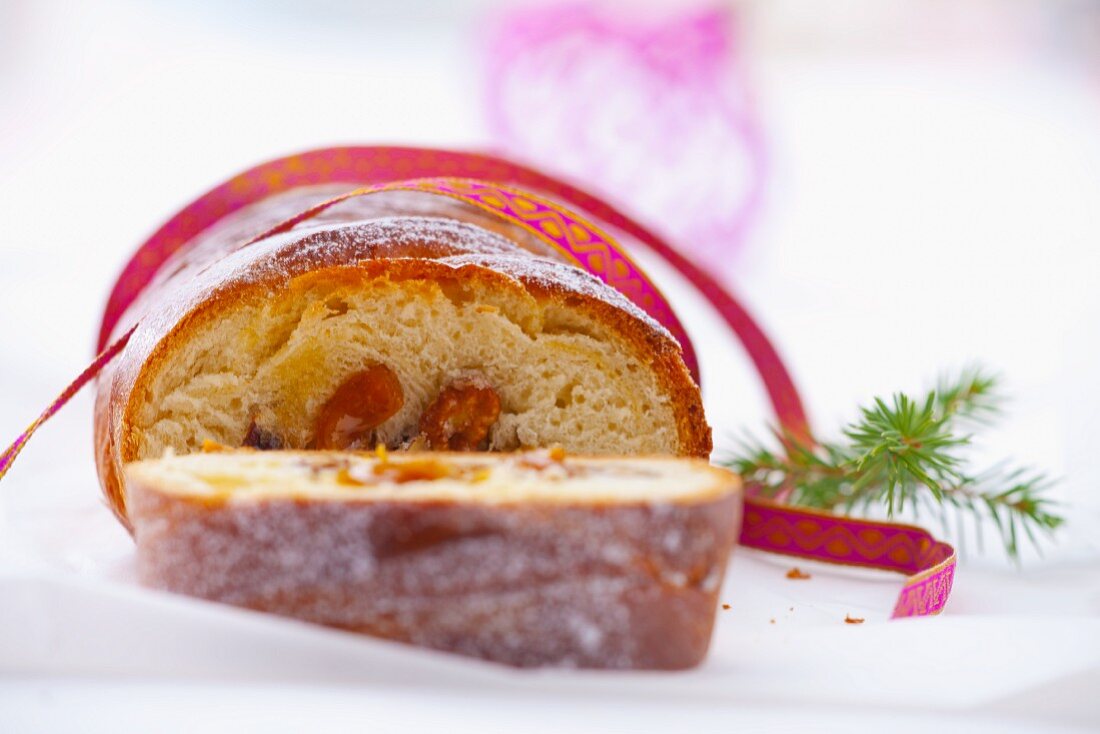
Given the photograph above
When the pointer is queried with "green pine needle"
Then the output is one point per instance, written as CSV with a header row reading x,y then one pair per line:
x,y
907,453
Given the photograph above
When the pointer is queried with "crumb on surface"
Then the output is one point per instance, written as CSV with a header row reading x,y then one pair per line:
x,y
849,619
771,621
798,574
725,606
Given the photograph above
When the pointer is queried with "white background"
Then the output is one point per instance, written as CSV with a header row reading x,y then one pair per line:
x,y
932,201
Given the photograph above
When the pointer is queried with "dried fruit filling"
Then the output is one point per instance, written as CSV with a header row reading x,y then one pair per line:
x,y
460,417
363,402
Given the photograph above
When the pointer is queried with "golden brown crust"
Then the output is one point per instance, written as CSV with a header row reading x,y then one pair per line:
x,y
603,585
222,273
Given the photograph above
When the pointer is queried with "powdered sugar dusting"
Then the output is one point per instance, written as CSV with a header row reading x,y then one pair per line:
x,y
521,584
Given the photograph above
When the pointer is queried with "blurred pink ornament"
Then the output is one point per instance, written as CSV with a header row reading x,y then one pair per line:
x,y
651,112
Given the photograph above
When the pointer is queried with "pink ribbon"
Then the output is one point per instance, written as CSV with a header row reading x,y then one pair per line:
x,y
491,184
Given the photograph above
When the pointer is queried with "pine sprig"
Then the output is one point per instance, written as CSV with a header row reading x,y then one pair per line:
x,y
972,394
908,453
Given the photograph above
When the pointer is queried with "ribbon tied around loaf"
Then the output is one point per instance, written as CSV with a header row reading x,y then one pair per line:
x,y
538,203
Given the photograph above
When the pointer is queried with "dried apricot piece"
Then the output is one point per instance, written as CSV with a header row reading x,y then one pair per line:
x,y
363,402
414,470
460,417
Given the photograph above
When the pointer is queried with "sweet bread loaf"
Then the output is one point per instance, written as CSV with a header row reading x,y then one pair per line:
x,y
527,558
403,320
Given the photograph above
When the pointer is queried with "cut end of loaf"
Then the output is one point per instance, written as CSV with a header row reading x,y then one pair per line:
x,y
550,477
411,332
265,369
